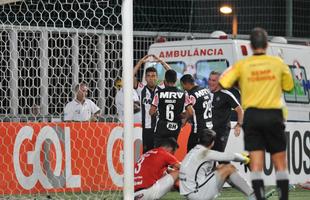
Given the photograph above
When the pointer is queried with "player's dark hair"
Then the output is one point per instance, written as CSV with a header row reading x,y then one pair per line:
x,y
170,76
187,78
206,137
169,142
259,38
151,69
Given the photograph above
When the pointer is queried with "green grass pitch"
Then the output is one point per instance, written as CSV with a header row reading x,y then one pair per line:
x,y
226,194
232,194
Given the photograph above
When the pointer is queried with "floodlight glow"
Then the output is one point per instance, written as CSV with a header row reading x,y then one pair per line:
x,y
226,10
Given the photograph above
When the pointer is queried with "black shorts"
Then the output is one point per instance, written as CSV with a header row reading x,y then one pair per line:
x,y
222,134
193,140
264,130
165,129
147,139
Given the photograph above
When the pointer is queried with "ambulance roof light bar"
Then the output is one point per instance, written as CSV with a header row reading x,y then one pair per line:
x,y
218,35
281,40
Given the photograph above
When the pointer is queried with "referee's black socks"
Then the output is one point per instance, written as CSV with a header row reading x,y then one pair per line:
x,y
258,185
282,184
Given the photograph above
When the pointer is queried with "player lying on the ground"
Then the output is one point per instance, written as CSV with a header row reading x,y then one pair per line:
x,y
199,179
152,181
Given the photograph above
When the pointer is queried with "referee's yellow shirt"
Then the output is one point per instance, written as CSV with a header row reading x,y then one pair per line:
x,y
261,80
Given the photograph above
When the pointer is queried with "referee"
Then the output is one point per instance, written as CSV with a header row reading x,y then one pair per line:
x,y
262,80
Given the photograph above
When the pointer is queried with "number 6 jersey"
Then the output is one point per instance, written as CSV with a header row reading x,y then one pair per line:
x,y
170,103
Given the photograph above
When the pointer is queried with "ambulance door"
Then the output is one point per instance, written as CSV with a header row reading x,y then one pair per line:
x,y
298,100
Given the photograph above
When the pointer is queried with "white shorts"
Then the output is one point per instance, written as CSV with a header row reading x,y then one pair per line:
x,y
209,190
157,190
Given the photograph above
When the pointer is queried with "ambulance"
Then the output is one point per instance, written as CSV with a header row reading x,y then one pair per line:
x,y
200,57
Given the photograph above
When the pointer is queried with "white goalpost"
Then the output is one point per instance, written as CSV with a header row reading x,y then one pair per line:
x,y
127,32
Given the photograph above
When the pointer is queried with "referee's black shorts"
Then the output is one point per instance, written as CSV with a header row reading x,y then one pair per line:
x,y
264,130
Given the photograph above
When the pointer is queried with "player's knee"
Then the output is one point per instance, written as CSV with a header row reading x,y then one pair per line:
x,y
230,168
226,170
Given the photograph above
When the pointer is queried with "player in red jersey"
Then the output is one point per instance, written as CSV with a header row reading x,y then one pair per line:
x,y
153,179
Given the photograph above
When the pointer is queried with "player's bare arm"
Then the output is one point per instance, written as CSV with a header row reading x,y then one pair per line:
x,y
139,64
175,167
137,68
238,126
164,64
187,114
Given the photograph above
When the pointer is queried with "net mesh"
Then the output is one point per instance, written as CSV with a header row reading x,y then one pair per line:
x,y
74,41
47,47
204,16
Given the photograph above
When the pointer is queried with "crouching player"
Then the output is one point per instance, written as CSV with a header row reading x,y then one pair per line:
x,y
152,180
199,179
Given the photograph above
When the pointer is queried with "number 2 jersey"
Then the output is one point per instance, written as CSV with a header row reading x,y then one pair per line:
x,y
202,103
170,103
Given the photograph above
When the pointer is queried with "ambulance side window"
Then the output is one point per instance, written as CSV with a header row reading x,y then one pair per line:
x,y
177,66
204,67
300,93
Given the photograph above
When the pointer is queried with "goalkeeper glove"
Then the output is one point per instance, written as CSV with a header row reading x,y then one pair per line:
x,y
246,157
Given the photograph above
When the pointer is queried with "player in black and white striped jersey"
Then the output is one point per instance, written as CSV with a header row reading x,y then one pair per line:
x,y
146,94
202,107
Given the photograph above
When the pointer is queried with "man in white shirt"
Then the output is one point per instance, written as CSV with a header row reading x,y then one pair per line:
x,y
198,178
81,108
119,103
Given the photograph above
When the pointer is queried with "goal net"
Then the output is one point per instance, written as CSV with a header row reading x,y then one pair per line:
x,y
47,48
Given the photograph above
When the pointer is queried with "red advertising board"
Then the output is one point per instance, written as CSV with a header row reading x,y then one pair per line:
x,y
58,157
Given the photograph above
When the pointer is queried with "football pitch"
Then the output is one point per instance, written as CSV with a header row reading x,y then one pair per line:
x,y
232,194
226,194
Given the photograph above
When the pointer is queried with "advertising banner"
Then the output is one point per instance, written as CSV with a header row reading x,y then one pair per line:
x,y
60,157
54,157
